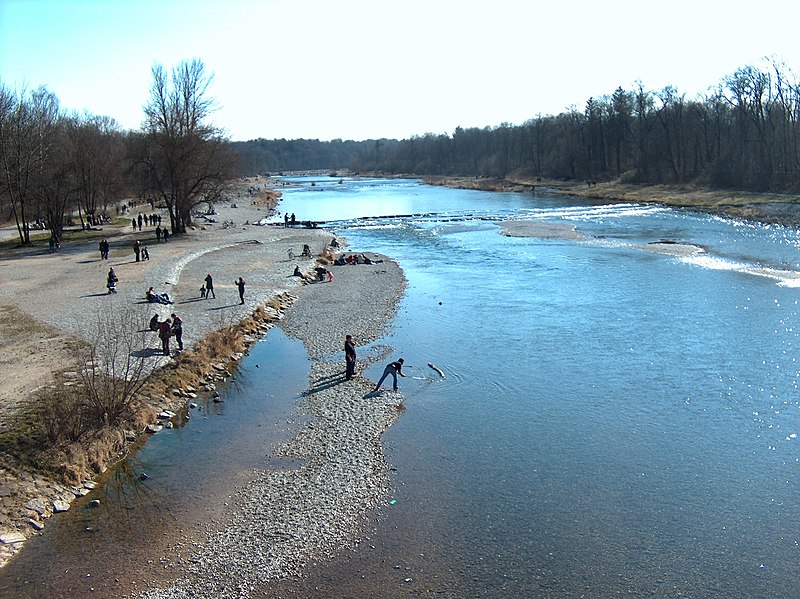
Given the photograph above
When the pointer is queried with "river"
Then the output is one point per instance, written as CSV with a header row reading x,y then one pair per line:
x,y
619,414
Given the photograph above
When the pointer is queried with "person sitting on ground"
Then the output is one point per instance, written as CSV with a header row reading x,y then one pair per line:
x,y
154,322
157,298
334,243
306,251
351,259
297,272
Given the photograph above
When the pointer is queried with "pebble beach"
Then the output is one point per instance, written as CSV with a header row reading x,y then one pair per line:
x,y
282,519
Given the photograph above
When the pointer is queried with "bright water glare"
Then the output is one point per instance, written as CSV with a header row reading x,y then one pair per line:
x,y
620,413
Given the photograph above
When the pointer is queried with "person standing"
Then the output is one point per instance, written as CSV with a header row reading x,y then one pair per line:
x,y
137,248
164,333
102,252
294,220
210,286
285,219
140,221
240,285
177,330
158,233
394,369
349,357
165,233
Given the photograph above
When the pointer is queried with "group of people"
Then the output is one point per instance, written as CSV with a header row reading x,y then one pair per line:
x,y
393,369
140,251
207,288
162,233
355,259
166,329
150,220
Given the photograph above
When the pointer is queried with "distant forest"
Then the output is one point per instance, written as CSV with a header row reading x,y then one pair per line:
x,y
742,134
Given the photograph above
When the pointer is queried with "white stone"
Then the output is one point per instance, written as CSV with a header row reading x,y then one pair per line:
x,y
37,505
12,537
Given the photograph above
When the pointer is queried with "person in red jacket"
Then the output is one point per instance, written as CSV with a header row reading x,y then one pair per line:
x,y
164,333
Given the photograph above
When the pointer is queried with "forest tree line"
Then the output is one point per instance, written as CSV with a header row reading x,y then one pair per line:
x,y
744,133
55,167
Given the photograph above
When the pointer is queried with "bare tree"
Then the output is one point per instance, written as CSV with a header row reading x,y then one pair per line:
x,y
184,159
28,124
95,150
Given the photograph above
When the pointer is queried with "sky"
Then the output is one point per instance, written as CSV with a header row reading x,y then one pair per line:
x,y
368,69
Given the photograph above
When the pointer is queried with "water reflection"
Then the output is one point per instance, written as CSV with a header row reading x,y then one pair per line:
x,y
169,487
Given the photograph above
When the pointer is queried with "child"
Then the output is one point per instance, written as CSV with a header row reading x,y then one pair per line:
x,y
203,292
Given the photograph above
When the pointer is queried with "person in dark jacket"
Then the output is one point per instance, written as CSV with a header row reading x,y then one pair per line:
x,y
210,287
177,330
240,285
394,369
350,356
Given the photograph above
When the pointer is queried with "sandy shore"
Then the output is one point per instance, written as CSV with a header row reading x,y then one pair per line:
x,y
49,300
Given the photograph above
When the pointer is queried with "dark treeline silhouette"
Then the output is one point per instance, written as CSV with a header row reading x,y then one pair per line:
x,y
743,134
262,156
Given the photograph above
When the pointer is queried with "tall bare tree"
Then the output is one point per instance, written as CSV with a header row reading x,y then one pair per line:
x,y
28,132
184,159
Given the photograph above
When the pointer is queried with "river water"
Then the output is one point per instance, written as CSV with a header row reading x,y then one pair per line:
x,y
619,417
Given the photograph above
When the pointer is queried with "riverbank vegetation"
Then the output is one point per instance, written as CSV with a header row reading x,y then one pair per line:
x,y
58,168
744,134
55,168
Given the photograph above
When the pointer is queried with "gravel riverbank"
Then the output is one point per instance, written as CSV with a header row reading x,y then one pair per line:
x,y
281,520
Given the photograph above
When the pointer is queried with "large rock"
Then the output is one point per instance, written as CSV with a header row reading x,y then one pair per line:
x,y
9,538
37,505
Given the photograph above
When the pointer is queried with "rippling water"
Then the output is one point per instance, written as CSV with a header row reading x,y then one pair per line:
x,y
620,416
620,413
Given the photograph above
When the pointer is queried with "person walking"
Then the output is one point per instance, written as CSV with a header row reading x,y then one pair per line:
x,y
210,287
177,330
164,333
240,285
394,369
158,233
349,357
111,281
137,248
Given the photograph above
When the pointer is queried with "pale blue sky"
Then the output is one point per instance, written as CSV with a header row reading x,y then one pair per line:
x,y
357,69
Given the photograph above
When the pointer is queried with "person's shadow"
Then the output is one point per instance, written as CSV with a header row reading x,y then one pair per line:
x,y
147,352
95,294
